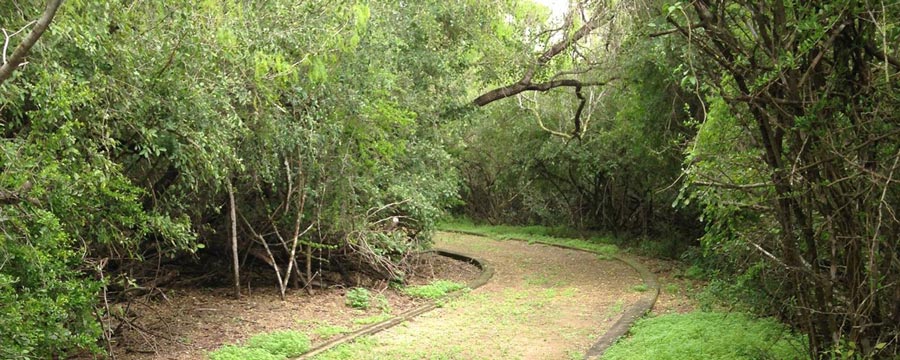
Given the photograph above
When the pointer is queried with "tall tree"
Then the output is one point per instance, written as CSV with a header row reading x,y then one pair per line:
x,y
813,87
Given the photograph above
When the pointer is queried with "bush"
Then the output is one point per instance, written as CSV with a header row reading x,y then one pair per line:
x,y
358,298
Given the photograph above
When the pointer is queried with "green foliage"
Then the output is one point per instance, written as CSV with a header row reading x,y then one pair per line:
x,y
287,343
275,345
358,298
130,118
232,352
616,177
435,290
705,335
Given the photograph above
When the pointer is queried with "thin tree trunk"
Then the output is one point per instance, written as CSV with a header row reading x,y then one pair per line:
x,y
234,242
309,288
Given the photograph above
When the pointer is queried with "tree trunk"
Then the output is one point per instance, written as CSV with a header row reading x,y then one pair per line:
x,y
234,242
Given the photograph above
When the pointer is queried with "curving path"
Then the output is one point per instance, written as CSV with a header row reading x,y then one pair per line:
x,y
543,302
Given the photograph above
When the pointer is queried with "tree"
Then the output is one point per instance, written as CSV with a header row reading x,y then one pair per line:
x,y
808,89
578,38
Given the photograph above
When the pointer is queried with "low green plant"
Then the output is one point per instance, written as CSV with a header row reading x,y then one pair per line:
x,y
358,298
435,290
672,288
286,343
382,302
328,331
695,272
233,352
640,288
372,319
708,335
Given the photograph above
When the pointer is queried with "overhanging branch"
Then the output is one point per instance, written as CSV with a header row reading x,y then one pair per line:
x,y
18,55
519,87
525,84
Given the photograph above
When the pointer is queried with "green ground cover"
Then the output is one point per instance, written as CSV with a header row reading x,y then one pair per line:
x,y
561,236
708,335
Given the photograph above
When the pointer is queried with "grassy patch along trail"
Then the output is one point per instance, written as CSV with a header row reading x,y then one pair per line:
x,y
543,302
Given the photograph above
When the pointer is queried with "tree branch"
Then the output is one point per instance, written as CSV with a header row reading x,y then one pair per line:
x,y
525,83
10,197
519,87
18,55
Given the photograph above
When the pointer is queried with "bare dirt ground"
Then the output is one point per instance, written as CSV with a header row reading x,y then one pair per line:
x,y
543,303
191,322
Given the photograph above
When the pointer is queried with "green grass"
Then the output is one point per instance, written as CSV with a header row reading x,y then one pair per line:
x,y
365,348
232,352
708,335
372,319
328,331
435,290
270,346
560,236
640,288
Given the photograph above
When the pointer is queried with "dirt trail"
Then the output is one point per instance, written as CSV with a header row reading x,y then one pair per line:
x,y
542,303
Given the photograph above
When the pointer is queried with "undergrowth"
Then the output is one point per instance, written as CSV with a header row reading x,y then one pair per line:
x,y
358,298
435,290
708,335
270,346
328,331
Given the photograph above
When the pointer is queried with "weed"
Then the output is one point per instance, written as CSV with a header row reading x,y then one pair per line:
x,y
695,272
673,288
272,346
436,289
287,343
640,288
328,331
372,319
383,303
358,298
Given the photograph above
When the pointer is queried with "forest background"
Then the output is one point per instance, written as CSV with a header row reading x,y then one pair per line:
x,y
758,140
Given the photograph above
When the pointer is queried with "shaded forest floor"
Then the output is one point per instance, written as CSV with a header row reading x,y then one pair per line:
x,y
190,322
543,302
